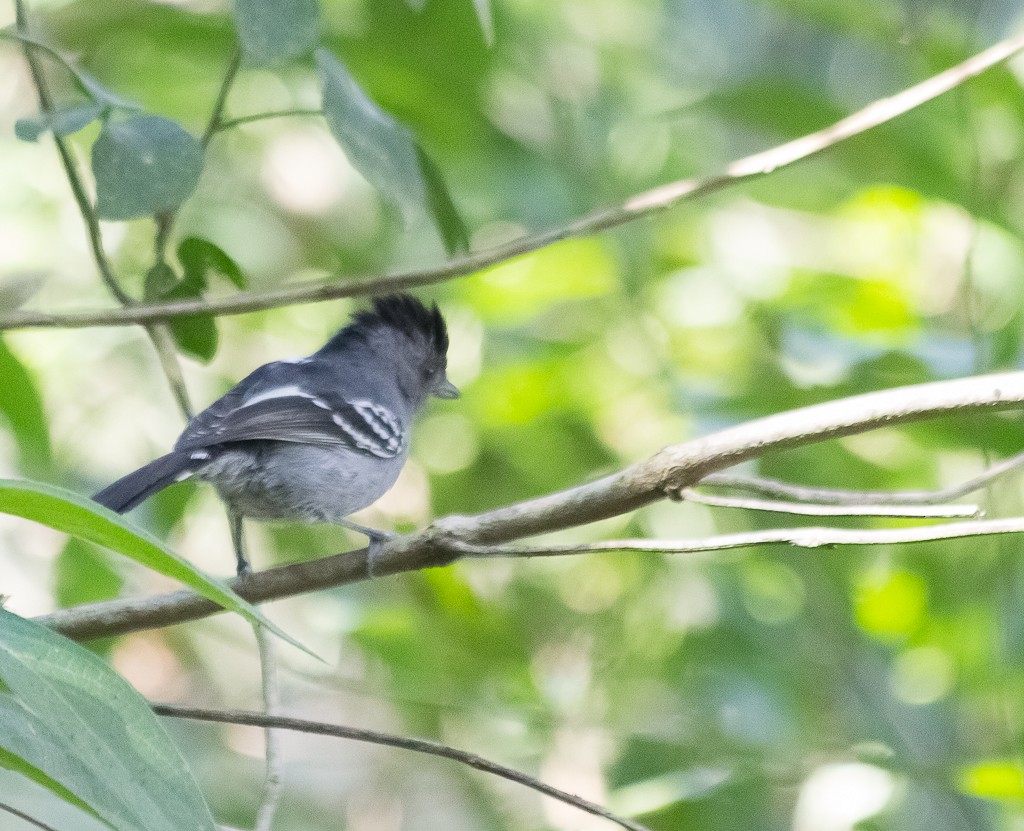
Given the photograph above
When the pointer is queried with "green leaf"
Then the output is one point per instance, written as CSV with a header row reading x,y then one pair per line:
x,y
63,122
198,256
22,407
196,335
387,154
144,165
83,574
439,200
67,715
29,129
380,148
160,279
272,32
72,514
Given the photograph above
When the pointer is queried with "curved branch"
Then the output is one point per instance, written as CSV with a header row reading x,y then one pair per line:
x,y
320,728
642,205
663,475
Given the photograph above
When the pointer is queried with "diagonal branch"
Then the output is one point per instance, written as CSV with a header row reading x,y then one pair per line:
x,y
638,206
431,748
662,475
92,223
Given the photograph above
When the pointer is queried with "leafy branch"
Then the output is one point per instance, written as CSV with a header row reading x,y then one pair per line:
x,y
641,205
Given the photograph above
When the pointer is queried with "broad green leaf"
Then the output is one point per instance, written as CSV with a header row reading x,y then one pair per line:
x,y
380,148
196,335
66,714
273,32
199,256
144,165
386,153
446,215
73,514
22,408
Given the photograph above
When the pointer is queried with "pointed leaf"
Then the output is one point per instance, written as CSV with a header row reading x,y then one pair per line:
x,y
272,32
198,256
22,407
143,165
380,148
196,335
65,511
439,200
67,715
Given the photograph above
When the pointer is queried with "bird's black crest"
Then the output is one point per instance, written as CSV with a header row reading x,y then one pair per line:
x,y
398,311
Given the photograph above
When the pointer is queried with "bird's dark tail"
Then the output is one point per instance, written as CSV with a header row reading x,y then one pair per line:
x,y
130,490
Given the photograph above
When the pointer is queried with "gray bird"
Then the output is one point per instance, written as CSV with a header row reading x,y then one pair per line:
x,y
312,439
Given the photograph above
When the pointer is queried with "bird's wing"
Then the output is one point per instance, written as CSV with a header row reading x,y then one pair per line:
x,y
260,409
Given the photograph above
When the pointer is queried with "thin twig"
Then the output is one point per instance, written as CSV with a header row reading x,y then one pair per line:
x,y
249,119
812,509
836,496
797,537
376,737
641,205
272,784
92,223
217,114
10,809
165,220
666,472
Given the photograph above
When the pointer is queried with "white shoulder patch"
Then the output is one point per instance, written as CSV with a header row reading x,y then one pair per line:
x,y
290,391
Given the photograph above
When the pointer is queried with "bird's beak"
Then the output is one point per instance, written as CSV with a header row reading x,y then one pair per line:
x,y
446,389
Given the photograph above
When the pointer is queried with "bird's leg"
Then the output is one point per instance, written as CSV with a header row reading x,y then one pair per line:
x,y
375,537
242,567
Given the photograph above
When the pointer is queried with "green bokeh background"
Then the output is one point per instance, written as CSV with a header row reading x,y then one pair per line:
x,y
876,688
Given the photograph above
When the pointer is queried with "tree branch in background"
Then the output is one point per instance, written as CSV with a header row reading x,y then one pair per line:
x,y
797,537
641,205
664,474
817,509
390,740
833,496
10,809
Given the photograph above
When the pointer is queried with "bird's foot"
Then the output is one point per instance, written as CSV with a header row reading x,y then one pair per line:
x,y
376,539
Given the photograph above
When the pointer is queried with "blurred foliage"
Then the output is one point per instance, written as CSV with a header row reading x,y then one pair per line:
x,y
846,689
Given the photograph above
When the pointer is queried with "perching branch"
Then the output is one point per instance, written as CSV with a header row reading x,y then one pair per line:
x,y
641,205
662,475
375,737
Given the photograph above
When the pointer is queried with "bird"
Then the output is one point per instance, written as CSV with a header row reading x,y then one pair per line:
x,y
311,439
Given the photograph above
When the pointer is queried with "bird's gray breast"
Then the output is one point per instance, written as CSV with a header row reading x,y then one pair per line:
x,y
273,480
